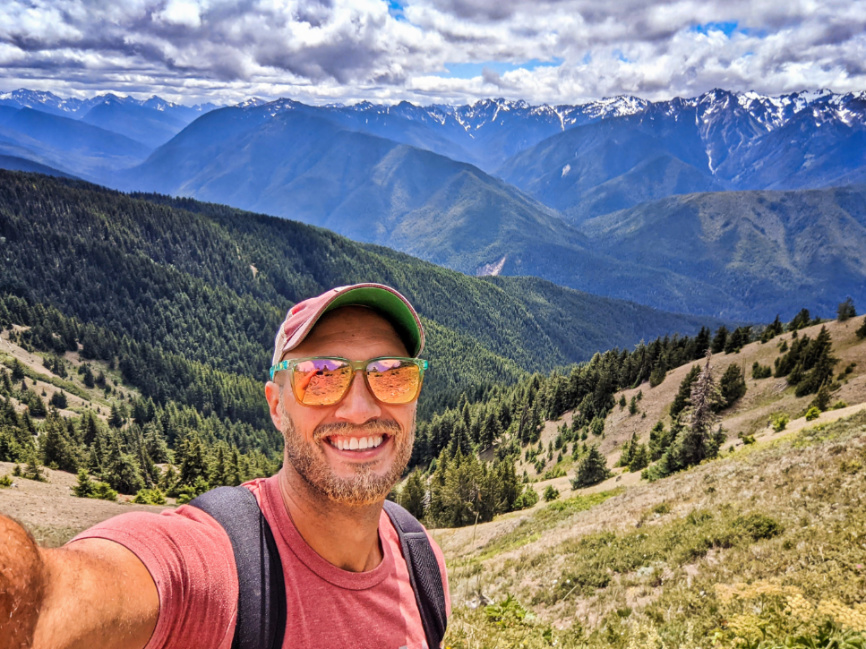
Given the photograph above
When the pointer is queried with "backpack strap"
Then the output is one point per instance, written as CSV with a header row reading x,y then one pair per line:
x,y
423,572
261,619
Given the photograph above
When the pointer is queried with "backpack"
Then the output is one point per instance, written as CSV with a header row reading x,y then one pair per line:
x,y
261,618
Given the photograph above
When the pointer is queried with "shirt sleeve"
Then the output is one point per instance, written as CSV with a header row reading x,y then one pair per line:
x,y
190,558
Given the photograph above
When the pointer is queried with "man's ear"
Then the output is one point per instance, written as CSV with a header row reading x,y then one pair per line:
x,y
272,394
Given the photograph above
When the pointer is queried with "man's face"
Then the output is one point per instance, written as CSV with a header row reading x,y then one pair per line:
x,y
319,440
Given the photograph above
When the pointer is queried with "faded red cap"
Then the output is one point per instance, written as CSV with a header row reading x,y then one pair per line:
x,y
302,317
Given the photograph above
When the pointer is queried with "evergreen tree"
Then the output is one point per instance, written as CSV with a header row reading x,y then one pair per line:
x,y
122,472
772,330
657,376
732,386
58,400
591,470
115,420
660,440
720,340
193,460
681,400
85,487
846,310
17,371
696,441
702,344
822,398
32,470
802,319
640,458
414,494
58,451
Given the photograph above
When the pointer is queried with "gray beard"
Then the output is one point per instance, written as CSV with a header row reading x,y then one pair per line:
x,y
365,487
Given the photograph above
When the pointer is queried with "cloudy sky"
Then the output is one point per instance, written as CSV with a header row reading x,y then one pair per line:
x,y
425,51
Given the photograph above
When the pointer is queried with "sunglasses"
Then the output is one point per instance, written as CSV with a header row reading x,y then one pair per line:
x,y
325,380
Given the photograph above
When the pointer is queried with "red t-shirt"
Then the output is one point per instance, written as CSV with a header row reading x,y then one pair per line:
x,y
190,558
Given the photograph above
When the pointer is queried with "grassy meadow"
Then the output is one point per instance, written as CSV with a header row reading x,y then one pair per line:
x,y
765,547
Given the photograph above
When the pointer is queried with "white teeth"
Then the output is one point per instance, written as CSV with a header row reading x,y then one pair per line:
x,y
356,443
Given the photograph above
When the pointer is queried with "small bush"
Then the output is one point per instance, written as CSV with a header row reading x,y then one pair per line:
x,y
779,421
551,493
103,491
524,501
746,439
6,481
839,405
812,413
758,526
149,497
662,508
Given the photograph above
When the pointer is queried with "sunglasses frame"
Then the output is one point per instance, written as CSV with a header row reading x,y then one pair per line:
x,y
357,366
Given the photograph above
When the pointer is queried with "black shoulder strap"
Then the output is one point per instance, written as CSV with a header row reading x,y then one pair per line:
x,y
261,620
423,572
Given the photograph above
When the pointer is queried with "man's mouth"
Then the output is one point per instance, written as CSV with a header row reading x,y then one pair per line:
x,y
343,443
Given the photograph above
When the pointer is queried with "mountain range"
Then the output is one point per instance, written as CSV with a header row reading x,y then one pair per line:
x,y
501,187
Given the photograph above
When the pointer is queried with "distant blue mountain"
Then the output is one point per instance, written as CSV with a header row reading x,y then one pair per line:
x,y
499,187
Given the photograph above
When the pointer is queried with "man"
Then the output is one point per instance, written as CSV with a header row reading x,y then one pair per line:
x,y
343,391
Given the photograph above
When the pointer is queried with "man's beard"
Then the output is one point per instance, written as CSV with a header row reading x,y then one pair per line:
x,y
365,487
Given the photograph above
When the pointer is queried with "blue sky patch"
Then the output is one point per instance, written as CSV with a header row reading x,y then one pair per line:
x,y
727,28
395,8
472,70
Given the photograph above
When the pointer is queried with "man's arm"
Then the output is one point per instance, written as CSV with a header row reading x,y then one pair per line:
x,y
95,593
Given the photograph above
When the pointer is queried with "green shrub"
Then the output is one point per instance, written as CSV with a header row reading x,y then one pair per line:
x,y
84,487
149,497
758,526
551,493
812,413
746,439
839,405
6,481
103,491
525,500
662,508
779,421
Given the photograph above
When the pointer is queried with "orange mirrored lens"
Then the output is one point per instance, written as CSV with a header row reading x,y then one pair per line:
x,y
321,381
394,381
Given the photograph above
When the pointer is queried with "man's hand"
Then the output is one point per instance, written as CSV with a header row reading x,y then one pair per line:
x,y
94,593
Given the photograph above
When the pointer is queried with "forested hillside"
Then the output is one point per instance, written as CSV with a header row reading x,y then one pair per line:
x,y
180,300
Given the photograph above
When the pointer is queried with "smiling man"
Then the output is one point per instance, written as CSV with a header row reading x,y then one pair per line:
x,y
344,384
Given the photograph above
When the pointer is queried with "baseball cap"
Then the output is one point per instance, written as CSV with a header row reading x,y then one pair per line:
x,y
302,317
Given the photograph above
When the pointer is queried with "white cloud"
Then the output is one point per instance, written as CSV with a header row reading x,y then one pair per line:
x,y
348,50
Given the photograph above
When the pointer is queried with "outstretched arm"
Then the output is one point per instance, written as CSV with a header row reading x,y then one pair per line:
x,y
95,593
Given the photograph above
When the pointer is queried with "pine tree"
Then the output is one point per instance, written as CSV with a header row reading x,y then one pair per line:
x,y
682,399
17,371
414,494
193,460
846,310
84,487
115,420
732,386
640,458
122,472
720,340
591,470
57,450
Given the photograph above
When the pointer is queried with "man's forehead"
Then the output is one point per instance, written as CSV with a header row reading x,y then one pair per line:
x,y
352,324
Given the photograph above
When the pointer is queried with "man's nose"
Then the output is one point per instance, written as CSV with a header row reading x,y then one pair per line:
x,y
358,406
